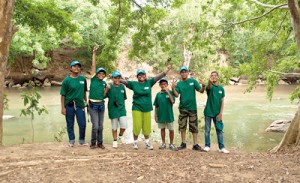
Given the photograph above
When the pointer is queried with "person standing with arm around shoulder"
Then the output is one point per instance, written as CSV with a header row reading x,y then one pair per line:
x,y
142,104
164,115
214,111
97,103
73,98
187,88
116,107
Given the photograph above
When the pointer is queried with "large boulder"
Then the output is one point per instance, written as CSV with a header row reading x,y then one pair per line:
x,y
279,126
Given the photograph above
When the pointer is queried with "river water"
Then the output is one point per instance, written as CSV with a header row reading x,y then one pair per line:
x,y
246,116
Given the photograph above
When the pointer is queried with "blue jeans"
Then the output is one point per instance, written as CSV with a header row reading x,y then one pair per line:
x,y
80,117
207,132
97,118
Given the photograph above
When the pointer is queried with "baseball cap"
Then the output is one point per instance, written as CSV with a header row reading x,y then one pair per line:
x,y
183,68
140,71
163,79
116,74
100,69
75,62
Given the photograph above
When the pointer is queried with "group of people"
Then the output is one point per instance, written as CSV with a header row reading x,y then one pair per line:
x,y
74,100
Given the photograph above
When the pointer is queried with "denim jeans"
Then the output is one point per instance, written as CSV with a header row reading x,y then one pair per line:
x,y
207,132
97,118
80,117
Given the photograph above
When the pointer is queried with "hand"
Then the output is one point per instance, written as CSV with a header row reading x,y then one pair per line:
x,y
95,48
63,111
201,81
107,87
174,83
219,117
210,81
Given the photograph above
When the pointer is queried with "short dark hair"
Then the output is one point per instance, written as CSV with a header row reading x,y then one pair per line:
x,y
214,72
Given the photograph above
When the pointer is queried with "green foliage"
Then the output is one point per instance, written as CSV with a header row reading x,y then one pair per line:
x,y
31,103
5,102
60,134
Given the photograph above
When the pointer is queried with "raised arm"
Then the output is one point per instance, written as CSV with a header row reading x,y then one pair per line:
x,y
163,74
202,86
93,69
124,82
170,96
173,88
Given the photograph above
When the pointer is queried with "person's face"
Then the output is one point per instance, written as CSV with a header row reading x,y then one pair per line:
x,y
184,74
76,69
214,77
163,85
141,77
101,75
116,80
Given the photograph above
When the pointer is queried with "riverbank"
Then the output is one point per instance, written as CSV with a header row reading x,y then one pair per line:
x,y
55,162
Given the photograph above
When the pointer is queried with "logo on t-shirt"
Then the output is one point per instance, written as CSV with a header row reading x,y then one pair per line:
x,y
191,84
122,91
81,82
220,92
167,96
146,88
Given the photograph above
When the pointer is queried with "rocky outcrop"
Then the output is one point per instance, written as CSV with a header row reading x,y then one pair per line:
x,y
279,126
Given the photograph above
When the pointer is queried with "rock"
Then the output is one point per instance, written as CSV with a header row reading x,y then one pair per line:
x,y
40,75
56,83
281,82
279,126
16,86
4,117
46,83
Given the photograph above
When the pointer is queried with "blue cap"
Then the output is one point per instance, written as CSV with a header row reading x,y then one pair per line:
x,y
100,69
163,79
140,71
75,62
183,68
116,74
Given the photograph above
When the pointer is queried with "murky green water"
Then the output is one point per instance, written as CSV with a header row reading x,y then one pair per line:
x,y
246,117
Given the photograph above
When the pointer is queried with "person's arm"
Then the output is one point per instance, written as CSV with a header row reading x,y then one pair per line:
x,y
93,69
173,88
219,117
107,88
63,108
209,84
202,86
124,82
170,96
163,74
155,114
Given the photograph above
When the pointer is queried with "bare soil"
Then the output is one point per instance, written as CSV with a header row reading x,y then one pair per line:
x,y
55,162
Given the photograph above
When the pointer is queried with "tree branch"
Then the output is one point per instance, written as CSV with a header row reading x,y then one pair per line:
x,y
268,5
280,26
292,74
142,12
258,17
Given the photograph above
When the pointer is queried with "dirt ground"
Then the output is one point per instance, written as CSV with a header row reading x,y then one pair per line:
x,y
55,162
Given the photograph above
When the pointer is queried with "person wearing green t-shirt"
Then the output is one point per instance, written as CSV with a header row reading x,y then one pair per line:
x,y
73,97
96,103
187,88
142,104
214,111
116,107
164,116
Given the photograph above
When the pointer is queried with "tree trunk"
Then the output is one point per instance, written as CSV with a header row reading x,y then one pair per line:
x,y
187,57
292,136
6,33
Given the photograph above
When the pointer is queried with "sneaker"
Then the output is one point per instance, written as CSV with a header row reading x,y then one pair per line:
x,y
182,146
163,146
101,146
135,145
70,145
149,146
84,144
115,144
173,148
93,146
122,139
197,148
206,148
223,150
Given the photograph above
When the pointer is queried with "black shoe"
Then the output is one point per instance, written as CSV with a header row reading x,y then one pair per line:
x,y
101,146
182,146
197,148
93,146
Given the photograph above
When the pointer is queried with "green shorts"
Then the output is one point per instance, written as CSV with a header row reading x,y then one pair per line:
x,y
141,121
193,120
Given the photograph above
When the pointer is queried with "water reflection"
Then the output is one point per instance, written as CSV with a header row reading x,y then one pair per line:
x,y
246,116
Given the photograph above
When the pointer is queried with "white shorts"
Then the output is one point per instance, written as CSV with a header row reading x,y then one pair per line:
x,y
169,126
119,121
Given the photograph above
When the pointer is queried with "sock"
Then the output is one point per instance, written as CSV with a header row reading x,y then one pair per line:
x,y
146,141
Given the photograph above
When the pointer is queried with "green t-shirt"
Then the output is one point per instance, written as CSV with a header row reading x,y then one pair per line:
x,y
74,89
164,107
214,98
142,99
97,88
187,90
116,102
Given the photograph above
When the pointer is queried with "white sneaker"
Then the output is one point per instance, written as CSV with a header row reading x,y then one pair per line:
x,y
149,146
135,145
223,150
122,139
115,144
206,148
